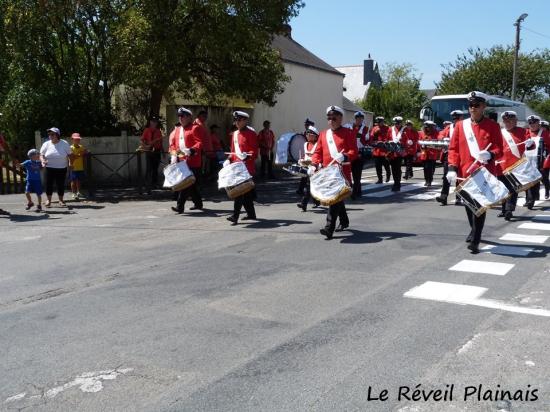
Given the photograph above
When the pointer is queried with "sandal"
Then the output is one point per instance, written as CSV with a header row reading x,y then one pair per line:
x,y
29,205
62,204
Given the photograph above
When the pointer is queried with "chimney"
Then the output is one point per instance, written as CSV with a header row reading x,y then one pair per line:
x,y
287,30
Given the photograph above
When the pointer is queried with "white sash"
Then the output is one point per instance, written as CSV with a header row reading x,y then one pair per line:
x,y
236,146
307,155
360,132
451,130
181,139
534,151
473,146
331,144
511,143
396,137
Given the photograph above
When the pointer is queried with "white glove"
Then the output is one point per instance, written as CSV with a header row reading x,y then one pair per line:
x,y
484,156
529,143
186,152
173,159
340,158
242,156
311,170
226,163
451,177
447,139
409,142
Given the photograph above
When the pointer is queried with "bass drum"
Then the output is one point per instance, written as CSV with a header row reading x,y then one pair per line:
x,y
290,147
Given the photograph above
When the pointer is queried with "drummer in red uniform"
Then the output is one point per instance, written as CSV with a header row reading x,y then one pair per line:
x,y
185,143
445,135
244,148
336,143
312,135
360,130
429,155
541,138
379,134
512,151
396,135
410,136
475,140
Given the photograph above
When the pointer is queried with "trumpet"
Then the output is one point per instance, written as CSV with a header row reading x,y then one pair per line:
x,y
434,144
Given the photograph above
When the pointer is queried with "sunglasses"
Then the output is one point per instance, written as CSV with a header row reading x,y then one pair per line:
x,y
476,105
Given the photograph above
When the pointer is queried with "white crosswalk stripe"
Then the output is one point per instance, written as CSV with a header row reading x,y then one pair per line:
x,y
535,226
489,268
517,237
507,250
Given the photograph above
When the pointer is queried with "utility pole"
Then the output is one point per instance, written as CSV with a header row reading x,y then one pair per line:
x,y
516,54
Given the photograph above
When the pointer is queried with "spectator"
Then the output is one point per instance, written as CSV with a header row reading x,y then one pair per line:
x,y
55,155
33,180
77,165
151,142
217,147
266,142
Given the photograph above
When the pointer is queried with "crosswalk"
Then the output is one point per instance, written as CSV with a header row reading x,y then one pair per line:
x,y
486,263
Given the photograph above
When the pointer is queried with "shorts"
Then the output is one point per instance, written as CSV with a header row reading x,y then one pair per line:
x,y
77,175
34,186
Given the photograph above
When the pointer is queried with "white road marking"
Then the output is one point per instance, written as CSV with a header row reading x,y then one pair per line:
x,y
490,268
507,250
535,226
423,196
16,397
544,218
404,188
466,295
516,237
530,363
468,345
375,186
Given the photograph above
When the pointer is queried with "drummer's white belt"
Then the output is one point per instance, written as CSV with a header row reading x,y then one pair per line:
x,y
511,143
331,144
535,151
396,137
181,138
473,146
236,146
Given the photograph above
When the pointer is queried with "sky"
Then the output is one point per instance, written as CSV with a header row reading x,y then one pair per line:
x,y
424,33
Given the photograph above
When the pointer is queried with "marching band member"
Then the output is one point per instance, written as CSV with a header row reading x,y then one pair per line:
x,y
429,155
512,151
185,144
244,148
395,135
360,131
303,181
379,133
410,136
336,143
470,144
312,135
536,156
446,134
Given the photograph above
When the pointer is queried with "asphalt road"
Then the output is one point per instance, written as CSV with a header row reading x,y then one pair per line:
x,y
123,306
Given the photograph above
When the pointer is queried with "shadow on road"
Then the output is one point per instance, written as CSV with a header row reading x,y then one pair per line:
x,y
275,223
360,237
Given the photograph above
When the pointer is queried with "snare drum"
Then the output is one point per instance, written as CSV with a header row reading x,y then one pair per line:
x,y
522,175
235,179
178,176
365,152
481,190
296,170
329,186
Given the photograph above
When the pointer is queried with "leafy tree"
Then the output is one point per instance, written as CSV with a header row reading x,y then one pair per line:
x,y
399,95
490,71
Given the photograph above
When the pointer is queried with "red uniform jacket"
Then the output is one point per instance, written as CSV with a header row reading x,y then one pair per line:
x,y
378,134
519,134
362,136
153,137
248,142
193,140
402,141
486,131
429,154
410,134
345,140
266,141
545,137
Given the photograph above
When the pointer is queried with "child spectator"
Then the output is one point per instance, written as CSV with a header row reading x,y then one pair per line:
x,y
32,168
77,165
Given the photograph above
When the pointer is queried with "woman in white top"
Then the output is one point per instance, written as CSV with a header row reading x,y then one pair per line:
x,y
55,154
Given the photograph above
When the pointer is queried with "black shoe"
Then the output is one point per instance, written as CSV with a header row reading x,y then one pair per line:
x,y
29,205
327,233
470,237
301,206
442,200
474,248
233,220
341,228
249,218
406,177
425,184
378,182
388,177
501,214
547,195
530,205
177,210
508,215
316,205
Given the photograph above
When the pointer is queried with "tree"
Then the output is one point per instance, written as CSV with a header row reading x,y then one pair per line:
x,y
490,71
399,94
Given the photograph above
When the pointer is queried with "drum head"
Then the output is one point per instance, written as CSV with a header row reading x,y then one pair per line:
x,y
296,147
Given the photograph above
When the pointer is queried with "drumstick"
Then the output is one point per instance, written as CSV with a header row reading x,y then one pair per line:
x,y
333,160
476,161
234,153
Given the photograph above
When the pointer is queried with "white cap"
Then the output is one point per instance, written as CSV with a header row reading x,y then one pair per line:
x,y
429,123
54,130
182,111
335,109
238,113
313,130
477,96
408,121
447,122
359,114
457,113
544,123
533,118
397,119
508,113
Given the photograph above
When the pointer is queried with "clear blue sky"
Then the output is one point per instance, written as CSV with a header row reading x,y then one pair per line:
x,y
425,33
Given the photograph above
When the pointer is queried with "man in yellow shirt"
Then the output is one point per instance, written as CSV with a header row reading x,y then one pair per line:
x,y
77,165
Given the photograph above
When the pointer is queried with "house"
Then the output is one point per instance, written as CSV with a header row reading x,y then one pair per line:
x,y
359,78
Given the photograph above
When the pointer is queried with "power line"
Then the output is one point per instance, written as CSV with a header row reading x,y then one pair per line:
x,y
536,32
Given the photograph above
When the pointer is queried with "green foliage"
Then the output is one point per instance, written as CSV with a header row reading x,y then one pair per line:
x,y
399,94
490,71
541,106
